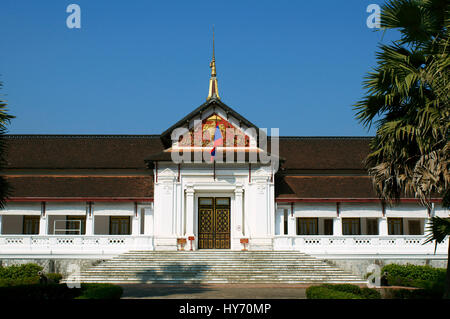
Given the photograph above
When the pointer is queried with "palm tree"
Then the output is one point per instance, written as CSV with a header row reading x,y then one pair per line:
x,y
5,119
407,99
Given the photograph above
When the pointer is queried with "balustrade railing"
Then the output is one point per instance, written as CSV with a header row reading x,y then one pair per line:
x,y
360,245
72,244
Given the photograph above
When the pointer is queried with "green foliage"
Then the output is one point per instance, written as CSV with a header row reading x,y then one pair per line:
x,y
54,277
100,291
416,294
8,282
353,289
431,280
369,293
20,271
38,292
341,291
319,292
34,291
407,100
438,229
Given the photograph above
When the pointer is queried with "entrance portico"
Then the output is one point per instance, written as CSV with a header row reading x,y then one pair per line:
x,y
249,201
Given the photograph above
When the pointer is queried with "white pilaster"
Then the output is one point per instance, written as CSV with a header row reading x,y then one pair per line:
x,y
190,210
90,224
148,222
291,222
382,226
136,223
238,193
43,225
279,222
337,226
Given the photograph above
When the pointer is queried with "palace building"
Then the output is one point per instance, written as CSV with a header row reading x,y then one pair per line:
x,y
97,196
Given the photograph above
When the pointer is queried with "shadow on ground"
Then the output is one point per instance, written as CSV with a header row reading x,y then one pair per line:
x,y
160,291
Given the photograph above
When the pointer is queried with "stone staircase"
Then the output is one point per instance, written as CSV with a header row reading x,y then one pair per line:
x,y
212,266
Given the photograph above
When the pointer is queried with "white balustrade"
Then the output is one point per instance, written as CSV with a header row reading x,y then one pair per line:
x,y
72,244
360,245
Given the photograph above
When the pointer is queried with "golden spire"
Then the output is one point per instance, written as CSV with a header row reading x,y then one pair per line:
x,y
213,88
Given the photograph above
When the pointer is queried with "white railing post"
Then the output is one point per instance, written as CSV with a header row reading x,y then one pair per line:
x,y
43,225
382,226
337,226
89,225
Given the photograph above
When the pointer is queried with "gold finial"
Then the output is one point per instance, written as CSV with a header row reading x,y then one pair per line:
x,y
212,65
213,89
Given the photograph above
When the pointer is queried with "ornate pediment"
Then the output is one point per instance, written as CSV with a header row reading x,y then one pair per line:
x,y
202,134
209,113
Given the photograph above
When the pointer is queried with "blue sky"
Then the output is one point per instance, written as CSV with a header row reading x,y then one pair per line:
x,y
137,67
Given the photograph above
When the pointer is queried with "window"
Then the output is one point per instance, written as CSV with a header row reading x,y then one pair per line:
x,y
307,226
285,222
414,227
76,225
395,226
328,226
372,226
31,225
119,225
351,226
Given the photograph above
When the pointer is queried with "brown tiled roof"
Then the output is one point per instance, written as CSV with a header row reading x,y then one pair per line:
x,y
80,186
337,153
85,151
130,152
324,187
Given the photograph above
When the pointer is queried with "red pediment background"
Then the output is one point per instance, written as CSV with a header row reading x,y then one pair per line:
x,y
203,135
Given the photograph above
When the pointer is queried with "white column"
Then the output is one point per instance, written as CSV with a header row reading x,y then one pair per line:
x,y
337,226
382,226
291,222
190,211
148,222
279,222
238,193
43,225
1,222
90,224
136,223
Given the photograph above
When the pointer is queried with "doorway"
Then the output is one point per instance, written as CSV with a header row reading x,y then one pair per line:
x,y
214,223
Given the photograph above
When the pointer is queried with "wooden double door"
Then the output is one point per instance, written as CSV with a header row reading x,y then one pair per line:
x,y
214,223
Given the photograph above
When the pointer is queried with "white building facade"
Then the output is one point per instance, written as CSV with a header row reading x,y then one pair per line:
x,y
99,196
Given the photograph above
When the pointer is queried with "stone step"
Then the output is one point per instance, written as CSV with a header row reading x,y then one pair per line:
x,y
211,277
214,267
206,266
209,262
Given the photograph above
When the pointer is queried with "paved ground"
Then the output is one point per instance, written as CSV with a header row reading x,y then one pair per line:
x,y
149,291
